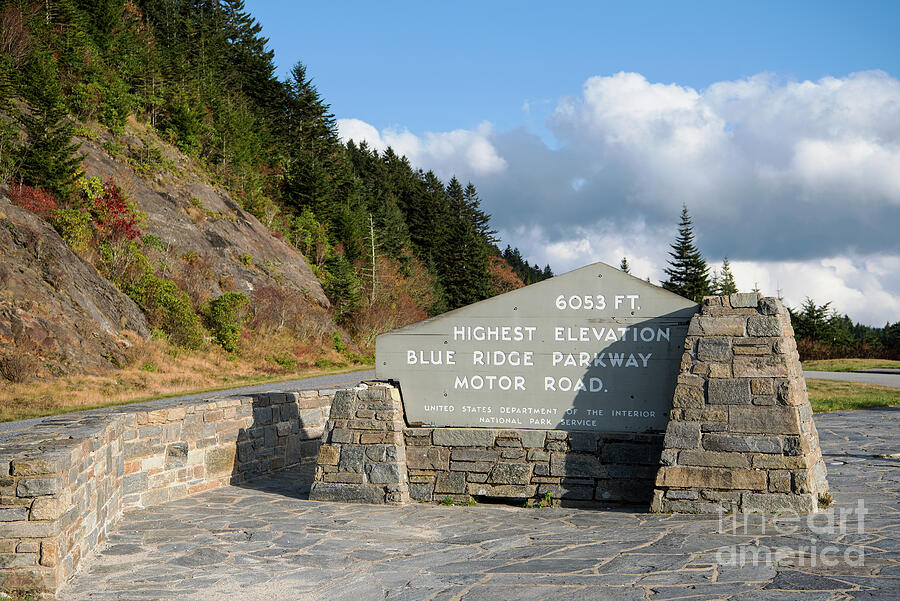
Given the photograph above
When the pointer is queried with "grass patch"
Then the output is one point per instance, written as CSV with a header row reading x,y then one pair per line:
x,y
850,364
829,395
156,369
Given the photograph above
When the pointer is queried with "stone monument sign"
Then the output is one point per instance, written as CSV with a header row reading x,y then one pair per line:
x,y
593,349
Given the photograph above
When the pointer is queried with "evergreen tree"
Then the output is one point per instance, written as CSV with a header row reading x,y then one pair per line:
x,y
727,284
49,158
480,220
342,285
688,272
9,137
464,263
624,265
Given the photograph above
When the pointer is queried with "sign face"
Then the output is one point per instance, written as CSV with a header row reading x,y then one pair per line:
x,y
592,349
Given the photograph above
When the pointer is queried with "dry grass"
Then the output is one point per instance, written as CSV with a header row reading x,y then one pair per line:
x,y
830,395
849,364
155,369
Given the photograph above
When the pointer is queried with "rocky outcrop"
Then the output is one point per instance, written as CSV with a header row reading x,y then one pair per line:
x,y
58,315
54,307
193,217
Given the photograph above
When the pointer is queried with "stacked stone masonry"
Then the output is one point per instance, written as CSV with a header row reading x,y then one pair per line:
x,y
362,457
570,467
65,482
369,455
741,434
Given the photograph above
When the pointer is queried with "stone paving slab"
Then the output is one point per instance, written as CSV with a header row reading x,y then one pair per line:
x,y
266,541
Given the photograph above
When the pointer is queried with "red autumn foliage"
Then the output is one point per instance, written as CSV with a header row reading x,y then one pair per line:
x,y
115,219
35,200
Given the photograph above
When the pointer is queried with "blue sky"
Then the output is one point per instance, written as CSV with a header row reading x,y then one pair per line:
x,y
447,65
586,125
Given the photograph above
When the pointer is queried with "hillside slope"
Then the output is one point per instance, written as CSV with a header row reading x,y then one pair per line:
x,y
195,219
56,313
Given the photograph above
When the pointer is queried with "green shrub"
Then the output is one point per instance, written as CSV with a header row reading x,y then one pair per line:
x,y
85,132
91,188
310,237
286,362
74,225
339,345
225,316
329,364
154,242
113,148
169,308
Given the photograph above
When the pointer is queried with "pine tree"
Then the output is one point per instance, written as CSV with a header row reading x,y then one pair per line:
x,y
480,220
688,274
464,263
9,136
727,284
342,286
49,158
624,265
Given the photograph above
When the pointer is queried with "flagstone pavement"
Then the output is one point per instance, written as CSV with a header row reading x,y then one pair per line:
x,y
265,541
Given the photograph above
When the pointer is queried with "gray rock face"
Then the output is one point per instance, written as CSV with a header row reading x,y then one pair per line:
x,y
192,216
54,301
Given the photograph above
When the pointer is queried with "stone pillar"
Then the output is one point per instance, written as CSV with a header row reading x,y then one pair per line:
x,y
363,457
741,434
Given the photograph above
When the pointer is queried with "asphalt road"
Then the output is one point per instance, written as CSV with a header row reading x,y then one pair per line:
x,y
317,383
866,377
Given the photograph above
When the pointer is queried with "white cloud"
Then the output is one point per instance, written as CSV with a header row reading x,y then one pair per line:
x,y
447,153
850,165
855,286
796,181
584,245
360,131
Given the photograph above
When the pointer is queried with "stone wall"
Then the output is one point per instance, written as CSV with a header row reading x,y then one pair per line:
x,y
573,467
741,434
369,455
65,481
